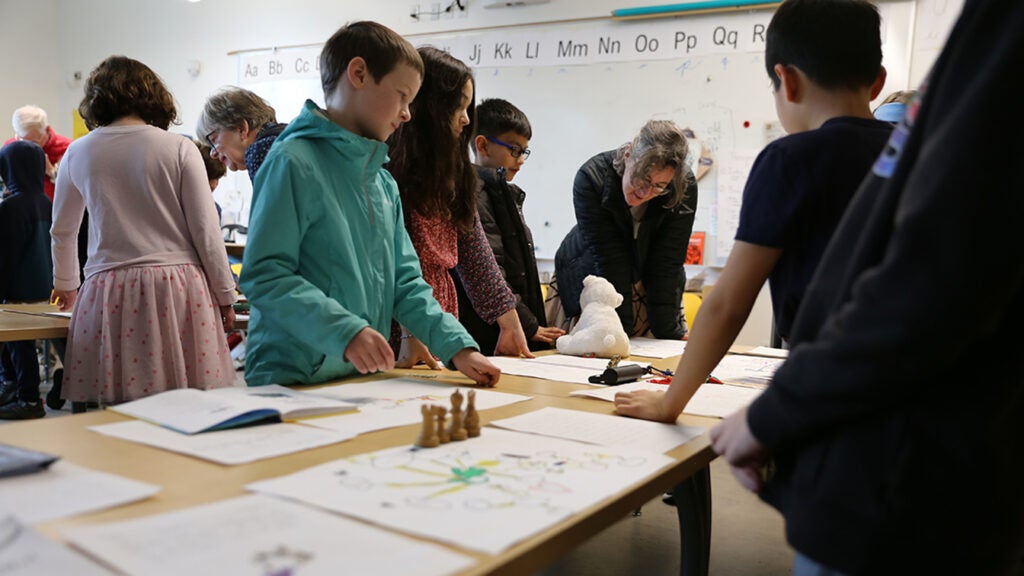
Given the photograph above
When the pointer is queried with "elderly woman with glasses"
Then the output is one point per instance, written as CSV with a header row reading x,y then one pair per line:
x,y
634,212
239,127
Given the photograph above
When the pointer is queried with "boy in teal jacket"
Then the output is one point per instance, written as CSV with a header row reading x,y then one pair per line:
x,y
328,262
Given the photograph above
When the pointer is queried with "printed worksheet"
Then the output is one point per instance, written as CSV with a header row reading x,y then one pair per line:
x,y
65,489
259,536
559,367
396,402
229,447
746,370
191,410
767,351
602,429
482,494
654,348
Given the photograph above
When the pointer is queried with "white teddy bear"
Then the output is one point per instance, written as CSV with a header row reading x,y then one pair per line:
x,y
599,330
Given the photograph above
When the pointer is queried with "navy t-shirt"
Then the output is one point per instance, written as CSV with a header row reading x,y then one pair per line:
x,y
795,196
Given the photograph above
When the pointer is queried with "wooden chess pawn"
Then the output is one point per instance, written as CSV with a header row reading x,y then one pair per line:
x,y
457,431
472,420
440,413
428,434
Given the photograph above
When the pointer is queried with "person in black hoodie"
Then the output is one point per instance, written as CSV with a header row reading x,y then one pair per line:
x,y
501,145
26,269
892,441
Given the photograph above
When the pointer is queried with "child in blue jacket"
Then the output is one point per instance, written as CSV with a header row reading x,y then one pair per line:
x,y
328,262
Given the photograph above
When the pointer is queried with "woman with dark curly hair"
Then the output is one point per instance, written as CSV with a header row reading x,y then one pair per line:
x,y
158,291
437,181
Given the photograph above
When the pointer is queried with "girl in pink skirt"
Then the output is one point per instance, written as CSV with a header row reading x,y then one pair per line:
x,y
157,295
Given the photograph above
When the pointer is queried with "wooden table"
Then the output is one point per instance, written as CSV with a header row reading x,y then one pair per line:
x,y
27,322
234,249
189,481
30,322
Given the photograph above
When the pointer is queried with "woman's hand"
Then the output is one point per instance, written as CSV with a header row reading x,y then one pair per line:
x,y
511,339
547,334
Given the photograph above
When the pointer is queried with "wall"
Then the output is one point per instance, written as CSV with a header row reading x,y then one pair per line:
x,y
29,70
68,36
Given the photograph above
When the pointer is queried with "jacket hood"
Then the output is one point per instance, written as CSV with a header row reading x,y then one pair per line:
x,y
23,167
313,123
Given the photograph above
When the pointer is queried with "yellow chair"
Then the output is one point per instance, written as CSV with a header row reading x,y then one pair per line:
x,y
691,303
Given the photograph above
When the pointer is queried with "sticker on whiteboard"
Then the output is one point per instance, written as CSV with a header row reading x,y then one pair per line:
x,y
698,156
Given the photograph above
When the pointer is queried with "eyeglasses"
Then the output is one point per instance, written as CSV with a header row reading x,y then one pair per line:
x,y
515,151
645,184
209,138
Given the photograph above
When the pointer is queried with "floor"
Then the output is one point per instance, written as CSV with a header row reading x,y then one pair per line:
x,y
747,535
747,538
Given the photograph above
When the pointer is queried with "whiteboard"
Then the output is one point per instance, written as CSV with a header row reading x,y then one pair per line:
x,y
589,87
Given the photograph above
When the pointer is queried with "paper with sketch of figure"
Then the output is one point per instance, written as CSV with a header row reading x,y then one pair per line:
x,y
259,536
25,552
484,494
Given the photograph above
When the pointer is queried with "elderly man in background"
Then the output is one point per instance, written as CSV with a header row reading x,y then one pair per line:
x,y
30,123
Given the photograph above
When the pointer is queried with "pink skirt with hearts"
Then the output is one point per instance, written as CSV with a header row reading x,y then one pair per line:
x,y
142,330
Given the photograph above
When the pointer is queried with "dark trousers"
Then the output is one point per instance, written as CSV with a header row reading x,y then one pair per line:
x,y
20,365
693,505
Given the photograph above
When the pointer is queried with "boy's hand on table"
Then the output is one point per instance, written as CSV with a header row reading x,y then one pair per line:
x,y
370,352
645,404
474,365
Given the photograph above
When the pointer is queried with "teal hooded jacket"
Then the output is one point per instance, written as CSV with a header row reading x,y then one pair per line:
x,y
327,255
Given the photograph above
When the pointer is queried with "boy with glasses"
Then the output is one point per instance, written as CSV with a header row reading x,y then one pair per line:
x,y
501,147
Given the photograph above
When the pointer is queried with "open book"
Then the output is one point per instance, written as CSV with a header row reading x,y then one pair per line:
x,y
189,410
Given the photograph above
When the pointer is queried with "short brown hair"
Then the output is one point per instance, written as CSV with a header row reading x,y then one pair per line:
x,y
229,107
215,169
381,47
660,143
120,87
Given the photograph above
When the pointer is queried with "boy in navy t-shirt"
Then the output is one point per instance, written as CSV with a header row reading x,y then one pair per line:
x,y
824,58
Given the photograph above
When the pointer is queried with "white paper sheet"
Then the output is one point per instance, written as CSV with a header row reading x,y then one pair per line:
x,y
769,352
654,348
25,552
65,489
396,402
601,429
716,400
190,410
554,367
738,369
484,494
259,536
229,447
